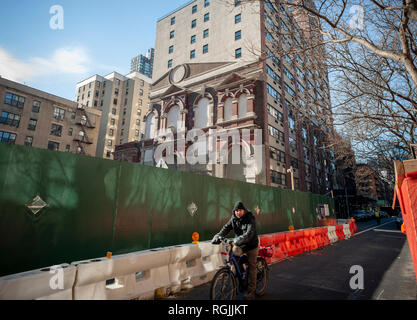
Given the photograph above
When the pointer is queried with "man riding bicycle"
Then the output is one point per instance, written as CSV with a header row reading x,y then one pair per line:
x,y
246,241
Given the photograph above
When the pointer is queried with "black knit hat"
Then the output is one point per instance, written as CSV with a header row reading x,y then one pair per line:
x,y
239,205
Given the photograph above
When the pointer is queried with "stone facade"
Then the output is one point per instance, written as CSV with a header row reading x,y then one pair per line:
x,y
39,119
222,102
285,95
123,101
128,152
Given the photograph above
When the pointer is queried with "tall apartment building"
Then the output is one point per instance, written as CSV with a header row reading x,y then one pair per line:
x,y
38,119
123,101
218,65
143,64
206,31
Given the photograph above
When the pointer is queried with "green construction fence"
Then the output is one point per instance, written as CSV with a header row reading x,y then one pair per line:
x,y
98,205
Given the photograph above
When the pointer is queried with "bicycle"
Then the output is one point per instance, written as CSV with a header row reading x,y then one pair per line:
x,y
231,278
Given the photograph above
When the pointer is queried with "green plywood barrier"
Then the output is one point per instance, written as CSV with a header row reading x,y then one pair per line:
x,y
97,205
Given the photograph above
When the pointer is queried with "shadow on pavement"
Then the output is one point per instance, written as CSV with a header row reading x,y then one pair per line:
x,y
325,274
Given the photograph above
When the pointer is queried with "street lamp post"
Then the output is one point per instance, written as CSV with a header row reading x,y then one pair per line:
x,y
291,170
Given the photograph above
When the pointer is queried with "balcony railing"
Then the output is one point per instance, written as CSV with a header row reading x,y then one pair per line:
x,y
82,139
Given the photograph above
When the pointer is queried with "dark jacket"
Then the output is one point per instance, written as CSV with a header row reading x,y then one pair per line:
x,y
245,231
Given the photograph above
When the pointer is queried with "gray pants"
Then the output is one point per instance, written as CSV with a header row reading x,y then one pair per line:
x,y
252,257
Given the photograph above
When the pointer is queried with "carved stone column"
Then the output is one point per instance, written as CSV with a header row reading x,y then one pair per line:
x,y
235,110
164,119
183,114
211,113
220,112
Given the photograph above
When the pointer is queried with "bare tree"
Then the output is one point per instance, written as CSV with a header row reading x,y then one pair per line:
x,y
379,26
374,99
369,50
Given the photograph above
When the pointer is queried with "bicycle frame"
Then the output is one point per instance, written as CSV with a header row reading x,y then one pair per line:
x,y
233,260
237,276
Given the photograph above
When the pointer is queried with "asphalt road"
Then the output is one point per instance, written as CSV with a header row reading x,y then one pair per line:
x,y
324,274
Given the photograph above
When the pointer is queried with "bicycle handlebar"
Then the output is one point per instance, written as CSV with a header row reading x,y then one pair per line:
x,y
224,240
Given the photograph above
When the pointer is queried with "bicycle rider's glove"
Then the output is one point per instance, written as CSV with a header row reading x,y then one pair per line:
x,y
216,240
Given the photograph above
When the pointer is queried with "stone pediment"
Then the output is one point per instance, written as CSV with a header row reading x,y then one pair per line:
x,y
171,90
233,78
201,68
185,71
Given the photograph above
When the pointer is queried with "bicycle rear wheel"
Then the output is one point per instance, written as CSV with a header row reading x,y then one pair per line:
x,y
262,276
223,285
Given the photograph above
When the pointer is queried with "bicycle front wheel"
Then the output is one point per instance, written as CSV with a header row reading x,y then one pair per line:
x,y
223,285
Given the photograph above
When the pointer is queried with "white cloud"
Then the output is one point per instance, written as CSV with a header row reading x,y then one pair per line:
x,y
63,61
14,69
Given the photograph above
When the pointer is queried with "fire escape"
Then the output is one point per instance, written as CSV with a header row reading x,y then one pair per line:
x,y
84,122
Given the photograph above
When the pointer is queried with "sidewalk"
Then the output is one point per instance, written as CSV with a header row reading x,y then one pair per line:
x,y
399,281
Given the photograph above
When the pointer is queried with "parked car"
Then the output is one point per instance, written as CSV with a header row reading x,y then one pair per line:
x,y
399,221
359,215
383,214
370,215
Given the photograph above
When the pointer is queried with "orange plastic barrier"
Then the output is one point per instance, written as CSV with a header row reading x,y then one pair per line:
x,y
325,236
299,242
266,241
281,251
339,232
288,244
278,254
352,227
316,239
308,240
319,238
407,196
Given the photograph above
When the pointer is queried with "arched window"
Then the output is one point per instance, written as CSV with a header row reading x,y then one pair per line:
x,y
228,109
174,118
150,127
243,105
202,113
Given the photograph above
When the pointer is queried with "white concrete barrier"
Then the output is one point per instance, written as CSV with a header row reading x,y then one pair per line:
x,y
136,275
152,274
193,265
332,234
51,283
335,236
130,276
346,231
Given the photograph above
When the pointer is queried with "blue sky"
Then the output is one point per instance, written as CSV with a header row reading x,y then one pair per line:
x,y
98,37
